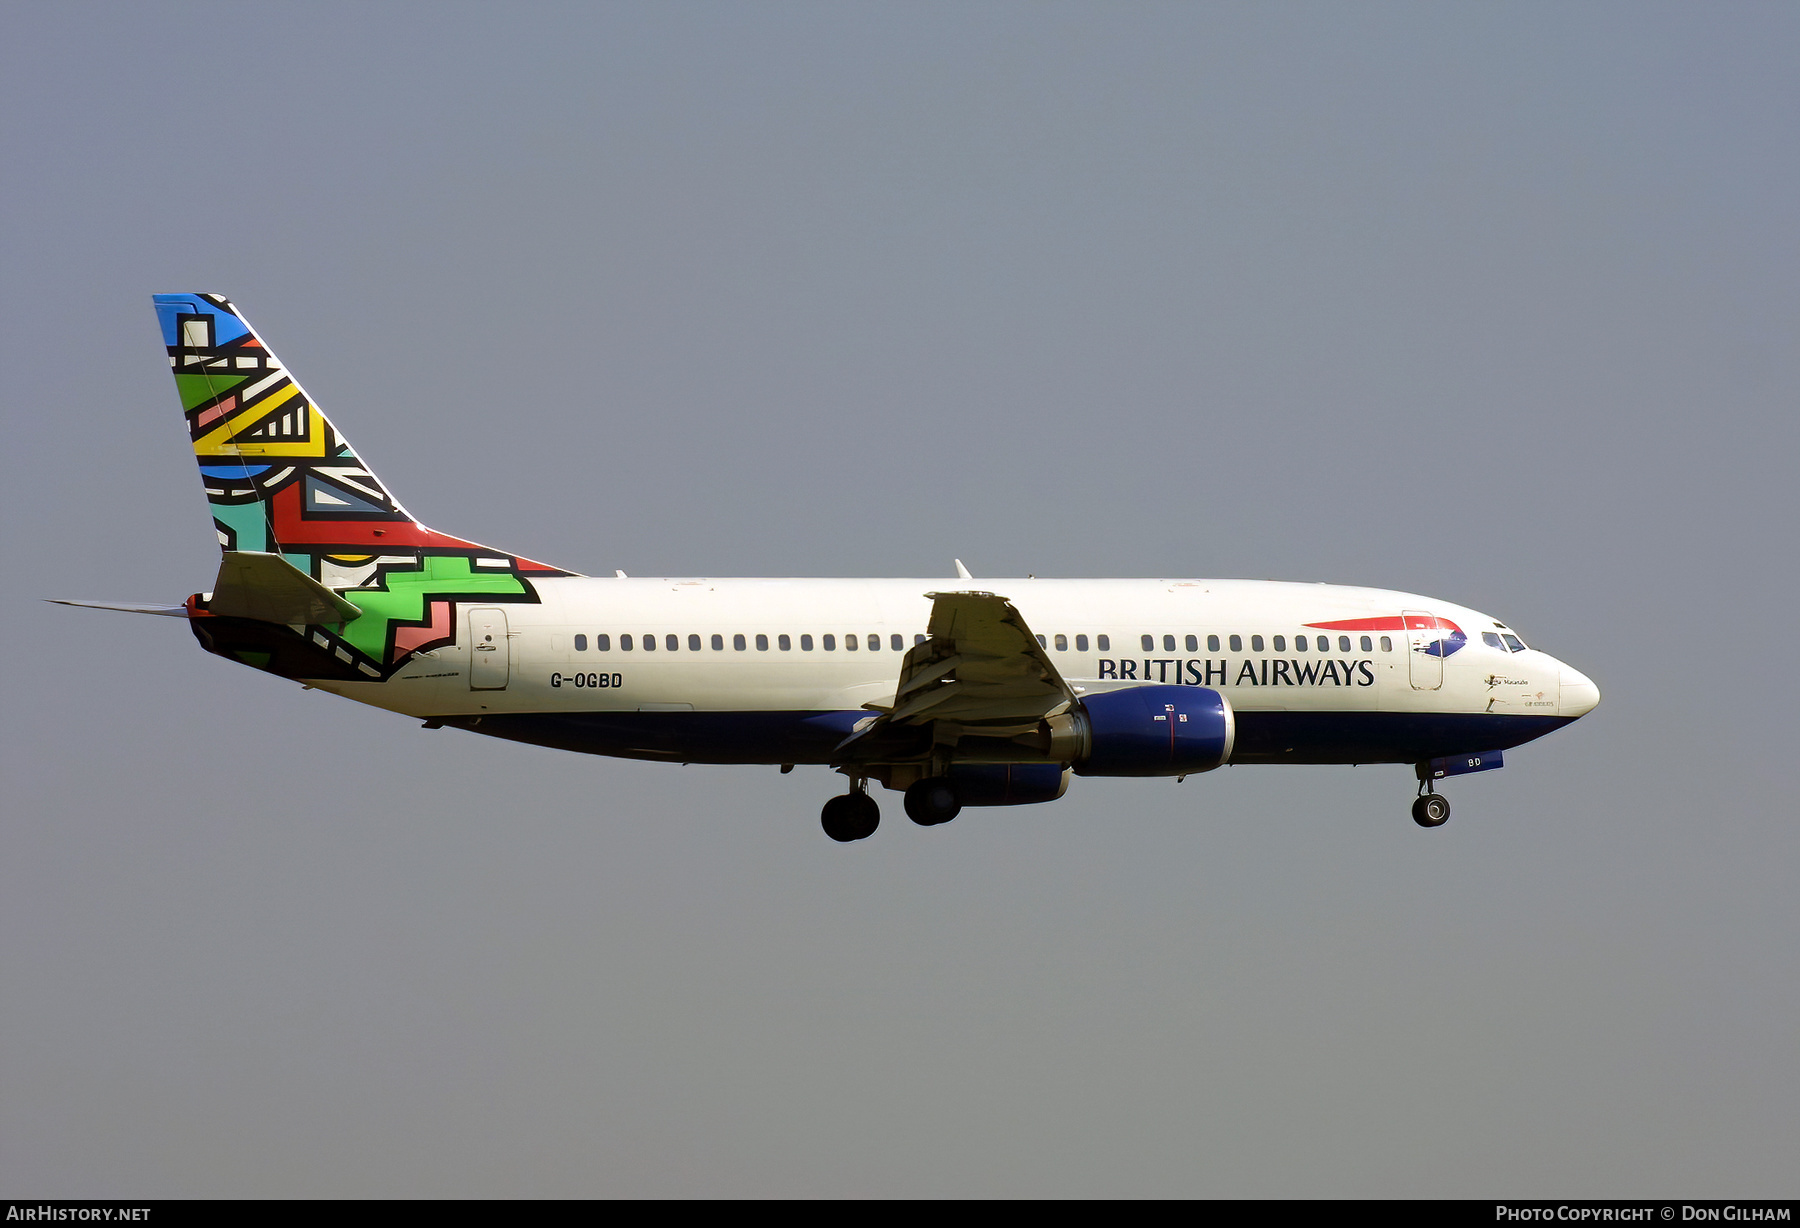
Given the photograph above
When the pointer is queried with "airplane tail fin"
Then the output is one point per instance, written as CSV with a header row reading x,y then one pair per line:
x,y
282,481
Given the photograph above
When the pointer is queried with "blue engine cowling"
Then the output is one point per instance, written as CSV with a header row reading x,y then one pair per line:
x,y
1155,731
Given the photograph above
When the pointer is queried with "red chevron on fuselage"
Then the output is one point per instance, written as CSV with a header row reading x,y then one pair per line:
x,y
1389,622
1441,647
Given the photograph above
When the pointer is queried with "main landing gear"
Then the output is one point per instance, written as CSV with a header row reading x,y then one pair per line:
x,y
855,816
932,801
1431,810
851,816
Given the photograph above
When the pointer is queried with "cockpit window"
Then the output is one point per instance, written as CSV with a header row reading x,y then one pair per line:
x,y
1492,640
1514,642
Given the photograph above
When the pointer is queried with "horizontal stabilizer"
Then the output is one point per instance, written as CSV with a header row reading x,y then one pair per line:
x,y
268,588
127,607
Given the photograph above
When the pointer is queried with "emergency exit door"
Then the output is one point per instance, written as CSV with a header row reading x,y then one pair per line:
x,y
490,649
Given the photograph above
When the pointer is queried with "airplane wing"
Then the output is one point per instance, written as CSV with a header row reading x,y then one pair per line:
x,y
981,672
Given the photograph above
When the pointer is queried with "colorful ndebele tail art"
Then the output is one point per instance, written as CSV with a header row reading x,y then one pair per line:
x,y
282,481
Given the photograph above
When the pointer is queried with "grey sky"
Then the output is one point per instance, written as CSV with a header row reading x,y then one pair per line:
x,y
1496,303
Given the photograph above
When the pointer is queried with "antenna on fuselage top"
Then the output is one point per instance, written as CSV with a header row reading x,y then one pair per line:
x,y
962,573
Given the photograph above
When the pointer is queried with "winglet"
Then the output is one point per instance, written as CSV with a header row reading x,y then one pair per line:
x,y
962,573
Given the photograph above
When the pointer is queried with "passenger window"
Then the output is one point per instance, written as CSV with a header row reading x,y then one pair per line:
x,y
1168,643
784,643
624,643
693,643
1212,643
737,642
1237,643
1515,643
1256,643
874,642
1149,643
1299,643
806,643
1042,643
1193,643
1062,642
1281,643
1387,645
1343,643
718,643
918,639
581,643
1081,643
896,641
1104,643
829,642
1367,644
1324,643
649,643
850,644
762,643
603,643
672,643
1492,640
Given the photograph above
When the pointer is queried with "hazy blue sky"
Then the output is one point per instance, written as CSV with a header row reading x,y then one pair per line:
x,y
1494,302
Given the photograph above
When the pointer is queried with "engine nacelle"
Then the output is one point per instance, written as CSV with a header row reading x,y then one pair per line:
x,y
1149,731
1008,784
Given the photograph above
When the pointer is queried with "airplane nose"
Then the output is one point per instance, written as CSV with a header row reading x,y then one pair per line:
x,y
1579,694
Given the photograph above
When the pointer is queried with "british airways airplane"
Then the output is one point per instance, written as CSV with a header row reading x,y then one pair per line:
x,y
953,692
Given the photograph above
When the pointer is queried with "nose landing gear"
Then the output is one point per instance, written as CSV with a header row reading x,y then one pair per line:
x,y
851,816
1431,810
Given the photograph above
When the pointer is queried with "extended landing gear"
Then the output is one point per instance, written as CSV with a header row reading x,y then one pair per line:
x,y
932,801
1431,810
850,816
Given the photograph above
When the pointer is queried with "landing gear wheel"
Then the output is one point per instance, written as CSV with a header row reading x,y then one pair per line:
x,y
836,820
1431,810
932,801
850,816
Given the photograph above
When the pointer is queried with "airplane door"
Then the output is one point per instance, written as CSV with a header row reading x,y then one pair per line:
x,y
490,649
1423,633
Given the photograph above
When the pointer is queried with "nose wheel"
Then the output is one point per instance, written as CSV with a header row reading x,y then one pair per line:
x,y
850,816
1431,810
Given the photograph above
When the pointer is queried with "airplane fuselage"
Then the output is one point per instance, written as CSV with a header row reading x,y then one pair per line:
x,y
779,670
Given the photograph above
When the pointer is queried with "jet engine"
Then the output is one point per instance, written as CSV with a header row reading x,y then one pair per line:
x,y
1146,731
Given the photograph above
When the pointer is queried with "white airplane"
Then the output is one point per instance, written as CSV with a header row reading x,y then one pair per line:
x,y
956,693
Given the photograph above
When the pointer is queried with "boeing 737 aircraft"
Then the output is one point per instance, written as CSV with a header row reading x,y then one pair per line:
x,y
955,692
